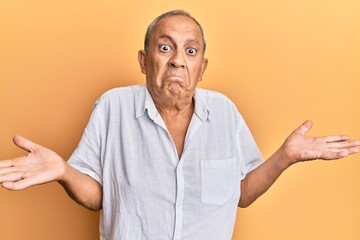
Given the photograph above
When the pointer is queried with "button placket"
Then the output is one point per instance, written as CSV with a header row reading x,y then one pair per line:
x,y
179,201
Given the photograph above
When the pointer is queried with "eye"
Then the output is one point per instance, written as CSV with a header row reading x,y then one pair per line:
x,y
165,48
191,51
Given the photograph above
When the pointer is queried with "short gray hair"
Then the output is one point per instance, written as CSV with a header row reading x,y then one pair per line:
x,y
168,14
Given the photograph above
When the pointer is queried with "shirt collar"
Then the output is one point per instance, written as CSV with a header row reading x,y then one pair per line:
x,y
145,102
201,108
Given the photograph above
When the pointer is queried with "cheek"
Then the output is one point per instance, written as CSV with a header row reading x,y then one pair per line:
x,y
149,66
155,67
155,71
196,73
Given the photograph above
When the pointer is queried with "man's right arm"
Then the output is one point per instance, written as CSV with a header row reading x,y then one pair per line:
x,y
41,165
298,147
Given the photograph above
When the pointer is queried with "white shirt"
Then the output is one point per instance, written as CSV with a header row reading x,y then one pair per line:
x,y
148,192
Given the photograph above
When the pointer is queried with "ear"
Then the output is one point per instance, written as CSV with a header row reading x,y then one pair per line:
x,y
142,60
203,67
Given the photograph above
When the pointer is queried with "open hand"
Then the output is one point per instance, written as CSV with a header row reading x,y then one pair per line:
x,y
39,166
299,147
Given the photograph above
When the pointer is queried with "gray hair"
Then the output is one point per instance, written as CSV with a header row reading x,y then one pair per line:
x,y
168,14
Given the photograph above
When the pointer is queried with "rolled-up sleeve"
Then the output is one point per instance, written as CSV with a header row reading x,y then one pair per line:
x,y
250,155
87,156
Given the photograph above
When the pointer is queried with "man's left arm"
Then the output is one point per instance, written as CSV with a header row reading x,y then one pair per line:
x,y
297,148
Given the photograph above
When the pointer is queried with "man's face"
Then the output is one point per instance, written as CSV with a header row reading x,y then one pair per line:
x,y
174,63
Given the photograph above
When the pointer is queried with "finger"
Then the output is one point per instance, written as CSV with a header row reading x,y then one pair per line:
x,y
347,152
24,143
334,155
6,163
11,177
6,170
14,186
11,162
337,154
8,185
343,144
336,138
355,143
20,184
353,150
304,128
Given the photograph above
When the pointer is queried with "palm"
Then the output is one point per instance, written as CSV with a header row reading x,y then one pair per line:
x,y
41,165
300,147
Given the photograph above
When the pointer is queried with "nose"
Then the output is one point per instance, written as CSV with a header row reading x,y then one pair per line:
x,y
177,60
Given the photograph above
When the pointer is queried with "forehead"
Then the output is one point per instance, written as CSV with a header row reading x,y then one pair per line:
x,y
177,27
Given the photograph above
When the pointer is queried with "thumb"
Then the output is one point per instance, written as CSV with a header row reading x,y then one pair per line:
x,y
24,143
304,128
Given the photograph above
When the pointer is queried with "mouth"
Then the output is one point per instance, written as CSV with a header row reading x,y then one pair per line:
x,y
174,78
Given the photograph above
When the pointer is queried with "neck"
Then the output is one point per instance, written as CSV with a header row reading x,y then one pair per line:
x,y
175,110
177,115
174,105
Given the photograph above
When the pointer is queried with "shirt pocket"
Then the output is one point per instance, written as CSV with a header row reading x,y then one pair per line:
x,y
217,180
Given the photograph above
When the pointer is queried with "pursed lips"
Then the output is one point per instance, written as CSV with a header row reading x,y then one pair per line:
x,y
174,78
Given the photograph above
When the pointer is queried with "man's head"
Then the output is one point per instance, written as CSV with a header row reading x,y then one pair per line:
x,y
173,60
168,14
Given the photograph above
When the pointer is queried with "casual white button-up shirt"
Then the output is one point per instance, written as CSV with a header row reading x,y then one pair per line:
x,y
148,192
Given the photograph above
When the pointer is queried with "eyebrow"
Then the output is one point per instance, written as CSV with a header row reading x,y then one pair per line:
x,y
166,36
190,40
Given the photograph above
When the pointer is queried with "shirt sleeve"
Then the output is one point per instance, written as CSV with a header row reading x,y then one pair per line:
x,y
87,156
250,155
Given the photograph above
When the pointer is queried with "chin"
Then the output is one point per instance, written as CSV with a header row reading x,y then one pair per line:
x,y
174,90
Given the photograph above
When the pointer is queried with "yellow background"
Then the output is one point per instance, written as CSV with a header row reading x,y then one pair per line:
x,y
280,61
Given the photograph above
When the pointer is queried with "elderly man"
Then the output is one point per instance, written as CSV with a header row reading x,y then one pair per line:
x,y
166,160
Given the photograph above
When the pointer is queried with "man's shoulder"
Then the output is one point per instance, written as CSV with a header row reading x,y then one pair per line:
x,y
120,96
220,108
123,91
217,103
211,95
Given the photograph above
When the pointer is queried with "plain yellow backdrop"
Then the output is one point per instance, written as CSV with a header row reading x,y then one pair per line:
x,y
281,62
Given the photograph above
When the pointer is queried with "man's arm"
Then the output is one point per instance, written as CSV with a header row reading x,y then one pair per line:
x,y
42,165
297,148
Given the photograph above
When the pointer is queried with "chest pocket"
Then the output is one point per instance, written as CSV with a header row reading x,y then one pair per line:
x,y
217,180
